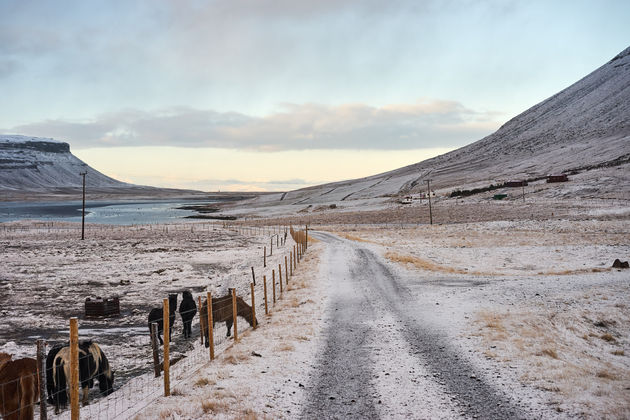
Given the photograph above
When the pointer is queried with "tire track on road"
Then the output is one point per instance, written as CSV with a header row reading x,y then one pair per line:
x,y
360,282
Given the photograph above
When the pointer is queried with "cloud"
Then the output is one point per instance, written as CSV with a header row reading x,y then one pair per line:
x,y
294,127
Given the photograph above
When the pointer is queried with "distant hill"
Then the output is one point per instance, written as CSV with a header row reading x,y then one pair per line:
x,y
585,126
44,168
36,163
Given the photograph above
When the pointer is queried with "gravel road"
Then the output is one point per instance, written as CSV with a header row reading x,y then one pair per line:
x,y
380,360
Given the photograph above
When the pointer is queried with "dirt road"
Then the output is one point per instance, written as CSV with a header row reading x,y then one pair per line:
x,y
381,360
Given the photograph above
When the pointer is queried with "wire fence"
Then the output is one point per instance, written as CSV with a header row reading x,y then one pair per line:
x,y
25,385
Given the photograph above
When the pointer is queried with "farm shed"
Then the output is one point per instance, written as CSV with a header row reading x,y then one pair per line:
x,y
557,178
95,307
514,184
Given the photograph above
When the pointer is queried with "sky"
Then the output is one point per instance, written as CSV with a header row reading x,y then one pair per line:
x,y
277,95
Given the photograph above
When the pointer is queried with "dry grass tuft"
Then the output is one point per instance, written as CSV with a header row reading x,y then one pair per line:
x,y
214,407
285,347
204,382
231,359
423,264
549,352
355,238
248,414
608,337
491,320
618,352
176,392
606,375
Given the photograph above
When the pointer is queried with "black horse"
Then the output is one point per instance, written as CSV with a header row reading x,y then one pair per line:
x,y
93,365
187,310
156,315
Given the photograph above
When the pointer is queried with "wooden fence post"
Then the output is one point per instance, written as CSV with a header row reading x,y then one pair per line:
x,y
306,240
253,276
273,280
210,325
234,313
291,260
154,347
200,326
280,277
74,368
251,285
41,357
286,270
271,250
265,256
167,362
265,293
294,257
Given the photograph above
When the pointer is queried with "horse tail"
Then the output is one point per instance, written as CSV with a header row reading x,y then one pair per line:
x,y
60,396
28,391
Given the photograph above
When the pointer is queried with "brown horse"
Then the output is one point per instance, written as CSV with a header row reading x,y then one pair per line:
x,y
19,387
222,312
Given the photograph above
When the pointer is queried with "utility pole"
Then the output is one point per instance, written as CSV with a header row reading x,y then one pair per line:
x,y
429,194
83,213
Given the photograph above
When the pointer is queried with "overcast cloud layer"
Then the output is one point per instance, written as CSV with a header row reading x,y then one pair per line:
x,y
296,127
284,76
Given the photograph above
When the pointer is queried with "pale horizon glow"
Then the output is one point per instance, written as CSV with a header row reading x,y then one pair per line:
x,y
231,170
340,88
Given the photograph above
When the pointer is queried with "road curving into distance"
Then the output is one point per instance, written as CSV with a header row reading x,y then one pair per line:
x,y
379,360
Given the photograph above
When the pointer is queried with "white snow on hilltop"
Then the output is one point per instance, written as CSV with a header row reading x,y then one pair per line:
x,y
15,138
37,163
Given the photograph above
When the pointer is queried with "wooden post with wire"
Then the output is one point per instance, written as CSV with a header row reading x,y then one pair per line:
x,y
273,280
154,347
291,262
210,325
41,357
271,250
200,326
265,256
234,313
286,270
294,257
255,324
167,364
253,276
265,294
83,213
74,368
429,194
280,276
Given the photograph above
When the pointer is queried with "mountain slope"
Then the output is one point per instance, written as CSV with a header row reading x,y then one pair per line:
x,y
35,163
584,126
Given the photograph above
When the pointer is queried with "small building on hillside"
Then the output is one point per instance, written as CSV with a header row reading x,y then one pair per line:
x,y
557,178
514,184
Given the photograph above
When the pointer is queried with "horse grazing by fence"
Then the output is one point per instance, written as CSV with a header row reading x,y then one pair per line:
x,y
187,310
156,315
222,312
93,364
19,387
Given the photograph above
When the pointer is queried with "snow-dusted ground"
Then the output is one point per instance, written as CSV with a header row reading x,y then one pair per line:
x,y
534,304
530,301
46,273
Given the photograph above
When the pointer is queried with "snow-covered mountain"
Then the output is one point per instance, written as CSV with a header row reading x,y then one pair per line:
x,y
40,164
585,126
